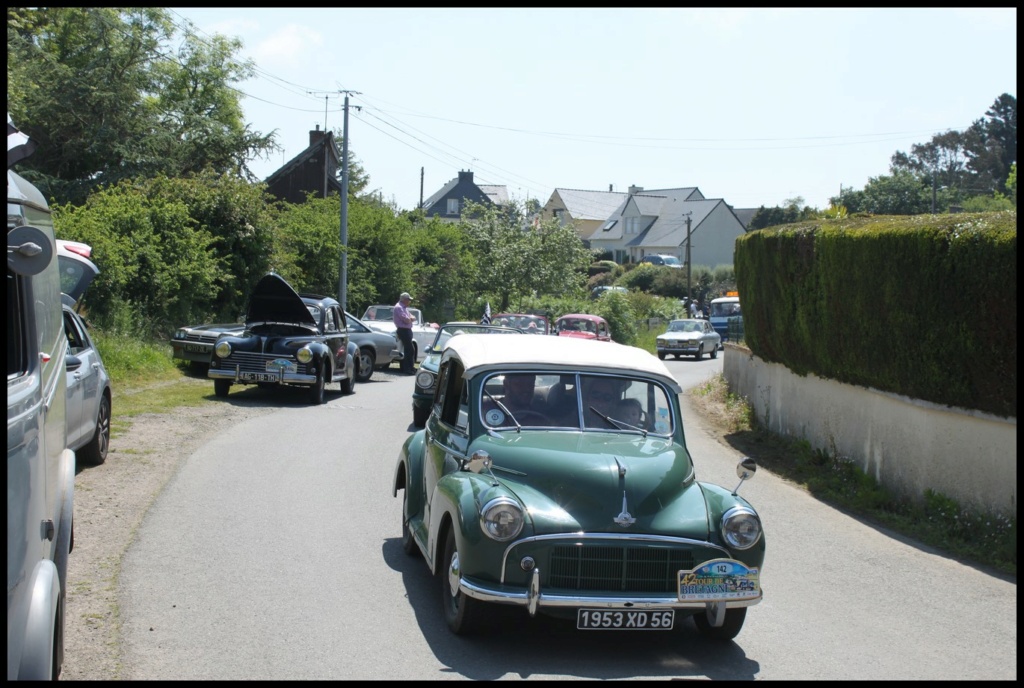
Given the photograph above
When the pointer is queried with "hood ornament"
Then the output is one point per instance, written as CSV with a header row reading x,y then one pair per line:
x,y
624,519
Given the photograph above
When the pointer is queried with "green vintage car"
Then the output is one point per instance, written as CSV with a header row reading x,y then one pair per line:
x,y
553,475
426,374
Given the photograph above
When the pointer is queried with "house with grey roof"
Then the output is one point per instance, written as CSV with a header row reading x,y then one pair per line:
x,y
668,221
450,200
585,210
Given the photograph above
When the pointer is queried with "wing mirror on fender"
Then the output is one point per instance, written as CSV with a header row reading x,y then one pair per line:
x,y
745,470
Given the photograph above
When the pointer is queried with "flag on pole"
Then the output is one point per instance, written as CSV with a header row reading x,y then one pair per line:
x,y
486,320
19,146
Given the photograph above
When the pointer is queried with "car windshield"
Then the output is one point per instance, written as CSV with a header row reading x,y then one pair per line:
x,y
616,404
378,313
684,326
670,260
576,325
724,310
448,331
530,324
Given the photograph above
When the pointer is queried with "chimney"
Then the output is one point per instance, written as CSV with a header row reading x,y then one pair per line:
x,y
635,189
465,176
316,136
610,189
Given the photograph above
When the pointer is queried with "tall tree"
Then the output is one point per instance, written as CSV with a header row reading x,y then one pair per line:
x,y
106,99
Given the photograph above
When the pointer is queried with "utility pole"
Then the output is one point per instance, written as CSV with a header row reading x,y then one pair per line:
x,y
343,278
689,270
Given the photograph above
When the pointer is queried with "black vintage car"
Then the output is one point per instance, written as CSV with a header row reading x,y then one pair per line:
x,y
288,340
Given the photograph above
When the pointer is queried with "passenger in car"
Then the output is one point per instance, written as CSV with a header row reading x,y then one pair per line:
x,y
630,411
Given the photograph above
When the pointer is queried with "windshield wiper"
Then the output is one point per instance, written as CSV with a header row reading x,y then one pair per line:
x,y
616,423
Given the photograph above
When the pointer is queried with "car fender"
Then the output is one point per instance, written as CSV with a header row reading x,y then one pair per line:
x,y
409,471
40,622
351,359
457,500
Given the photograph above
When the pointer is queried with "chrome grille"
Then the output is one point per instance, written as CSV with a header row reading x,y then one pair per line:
x,y
614,568
206,337
252,362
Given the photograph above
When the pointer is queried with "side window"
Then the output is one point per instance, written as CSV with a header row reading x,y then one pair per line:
x,y
76,338
330,323
453,206
342,320
449,392
16,345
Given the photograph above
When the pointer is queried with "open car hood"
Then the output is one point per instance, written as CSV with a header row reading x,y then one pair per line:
x,y
274,300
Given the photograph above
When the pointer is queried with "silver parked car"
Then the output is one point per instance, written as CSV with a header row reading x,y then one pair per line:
x,y
88,393
376,349
688,338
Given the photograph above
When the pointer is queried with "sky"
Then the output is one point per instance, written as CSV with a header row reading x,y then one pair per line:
x,y
754,106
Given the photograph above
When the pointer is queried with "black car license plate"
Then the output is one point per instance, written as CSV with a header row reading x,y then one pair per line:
x,y
197,348
624,620
259,377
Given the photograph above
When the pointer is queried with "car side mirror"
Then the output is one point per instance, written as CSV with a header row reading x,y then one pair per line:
x,y
745,470
480,461
72,363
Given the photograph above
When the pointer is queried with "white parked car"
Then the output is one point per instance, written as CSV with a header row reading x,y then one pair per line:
x,y
689,337
380,318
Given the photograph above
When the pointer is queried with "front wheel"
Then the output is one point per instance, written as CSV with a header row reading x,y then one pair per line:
x,y
221,387
731,628
661,355
700,353
714,352
461,613
316,392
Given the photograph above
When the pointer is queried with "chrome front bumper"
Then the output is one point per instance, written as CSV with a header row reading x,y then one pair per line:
x,y
533,599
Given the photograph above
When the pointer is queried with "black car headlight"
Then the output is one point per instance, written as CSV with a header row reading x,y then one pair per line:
x,y
501,519
741,527
223,349
424,379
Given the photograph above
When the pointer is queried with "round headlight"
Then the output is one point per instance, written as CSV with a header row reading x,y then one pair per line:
x,y
501,519
424,379
180,334
223,349
304,355
741,527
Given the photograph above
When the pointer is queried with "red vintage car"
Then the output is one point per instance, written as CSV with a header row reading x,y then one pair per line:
x,y
583,326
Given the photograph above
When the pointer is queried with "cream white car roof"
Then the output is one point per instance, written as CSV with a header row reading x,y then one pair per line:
x,y
482,353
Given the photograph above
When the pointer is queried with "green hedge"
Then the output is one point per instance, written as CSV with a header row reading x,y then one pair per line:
x,y
924,306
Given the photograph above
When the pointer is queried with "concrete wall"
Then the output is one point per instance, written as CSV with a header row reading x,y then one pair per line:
x,y
906,444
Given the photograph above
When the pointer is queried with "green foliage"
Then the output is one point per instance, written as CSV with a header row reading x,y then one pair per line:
x,y
641,277
516,262
106,99
987,204
930,290
616,309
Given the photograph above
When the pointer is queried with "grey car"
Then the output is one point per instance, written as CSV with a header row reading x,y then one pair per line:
x,y
88,383
376,349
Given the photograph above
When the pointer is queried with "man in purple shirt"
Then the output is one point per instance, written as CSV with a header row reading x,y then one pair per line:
x,y
404,321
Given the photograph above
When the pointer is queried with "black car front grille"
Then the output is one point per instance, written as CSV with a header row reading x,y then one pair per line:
x,y
252,362
615,568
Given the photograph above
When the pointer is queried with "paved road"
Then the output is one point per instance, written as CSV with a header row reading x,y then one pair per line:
x,y
274,554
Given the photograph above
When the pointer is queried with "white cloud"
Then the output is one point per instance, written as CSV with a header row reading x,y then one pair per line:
x,y
290,46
